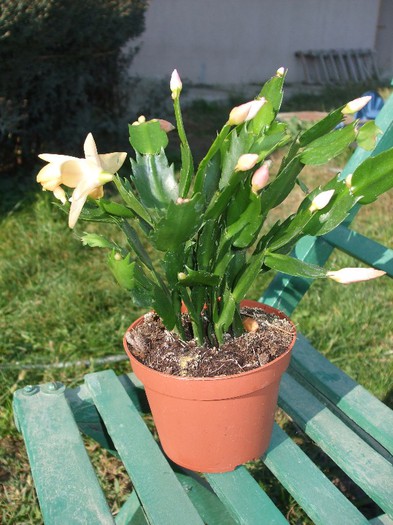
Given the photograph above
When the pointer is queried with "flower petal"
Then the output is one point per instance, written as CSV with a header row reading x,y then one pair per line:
x,y
54,158
354,275
90,150
112,162
60,194
74,171
75,210
49,174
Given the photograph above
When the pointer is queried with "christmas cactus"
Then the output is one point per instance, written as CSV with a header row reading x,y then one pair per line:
x,y
208,223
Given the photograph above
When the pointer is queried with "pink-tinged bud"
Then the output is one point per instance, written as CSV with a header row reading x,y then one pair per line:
x,y
280,72
355,105
260,177
245,112
321,200
348,181
165,125
246,162
175,84
354,275
180,200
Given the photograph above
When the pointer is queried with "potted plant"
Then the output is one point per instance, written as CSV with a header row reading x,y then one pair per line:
x,y
211,362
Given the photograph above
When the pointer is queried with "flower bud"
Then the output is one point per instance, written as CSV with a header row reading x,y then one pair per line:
x,y
348,181
260,177
165,125
245,112
321,200
355,105
354,275
280,72
175,84
180,200
246,162
118,256
181,276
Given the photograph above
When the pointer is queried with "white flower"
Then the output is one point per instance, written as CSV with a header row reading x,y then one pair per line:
x,y
354,275
321,200
280,72
355,105
86,175
246,161
245,112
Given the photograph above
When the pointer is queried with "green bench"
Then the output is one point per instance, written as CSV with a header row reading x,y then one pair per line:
x,y
348,424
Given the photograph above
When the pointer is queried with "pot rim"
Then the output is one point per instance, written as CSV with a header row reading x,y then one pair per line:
x,y
271,364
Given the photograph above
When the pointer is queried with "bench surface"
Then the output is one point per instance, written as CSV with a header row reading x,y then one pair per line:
x,y
345,421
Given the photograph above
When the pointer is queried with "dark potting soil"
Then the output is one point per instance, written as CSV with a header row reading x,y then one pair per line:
x,y
157,348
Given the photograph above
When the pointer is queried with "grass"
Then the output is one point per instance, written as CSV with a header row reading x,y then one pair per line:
x,y
59,304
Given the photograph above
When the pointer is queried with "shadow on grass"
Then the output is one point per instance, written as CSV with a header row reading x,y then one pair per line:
x,y
18,189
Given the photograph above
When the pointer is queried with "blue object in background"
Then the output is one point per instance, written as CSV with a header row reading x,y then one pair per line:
x,y
370,110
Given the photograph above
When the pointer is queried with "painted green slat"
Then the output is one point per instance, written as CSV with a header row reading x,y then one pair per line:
x,y
381,520
365,466
362,248
209,506
318,497
164,500
244,498
66,485
352,399
131,513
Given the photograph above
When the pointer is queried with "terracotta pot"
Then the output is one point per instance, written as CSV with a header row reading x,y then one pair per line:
x,y
214,424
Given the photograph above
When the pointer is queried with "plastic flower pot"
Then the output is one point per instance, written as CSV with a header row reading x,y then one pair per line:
x,y
214,424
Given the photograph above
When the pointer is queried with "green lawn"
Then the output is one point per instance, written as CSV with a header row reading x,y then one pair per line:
x,y
59,304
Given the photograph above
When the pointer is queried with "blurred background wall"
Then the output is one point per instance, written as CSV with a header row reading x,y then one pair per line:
x,y
232,42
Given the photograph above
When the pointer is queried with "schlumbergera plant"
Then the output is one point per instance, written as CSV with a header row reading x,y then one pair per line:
x,y
208,223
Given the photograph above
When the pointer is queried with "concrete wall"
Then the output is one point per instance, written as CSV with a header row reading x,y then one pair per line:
x,y
245,41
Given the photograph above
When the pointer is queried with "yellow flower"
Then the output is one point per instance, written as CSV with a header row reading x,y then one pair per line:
x,y
86,175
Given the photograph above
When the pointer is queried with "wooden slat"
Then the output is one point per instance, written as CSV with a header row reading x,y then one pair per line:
x,y
351,398
365,466
155,482
318,497
244,498
381,520
66,485
131,512
362,248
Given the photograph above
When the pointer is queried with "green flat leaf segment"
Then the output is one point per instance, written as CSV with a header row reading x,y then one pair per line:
x,y
292,266
373,177
147,138
179,225
325,148
154,180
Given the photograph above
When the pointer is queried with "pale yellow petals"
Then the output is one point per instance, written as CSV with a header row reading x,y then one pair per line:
x,y
354,275
321,200
75,210
90,150
112,162
60,194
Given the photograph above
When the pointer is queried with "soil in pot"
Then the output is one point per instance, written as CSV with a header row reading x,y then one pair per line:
x,y
268,337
